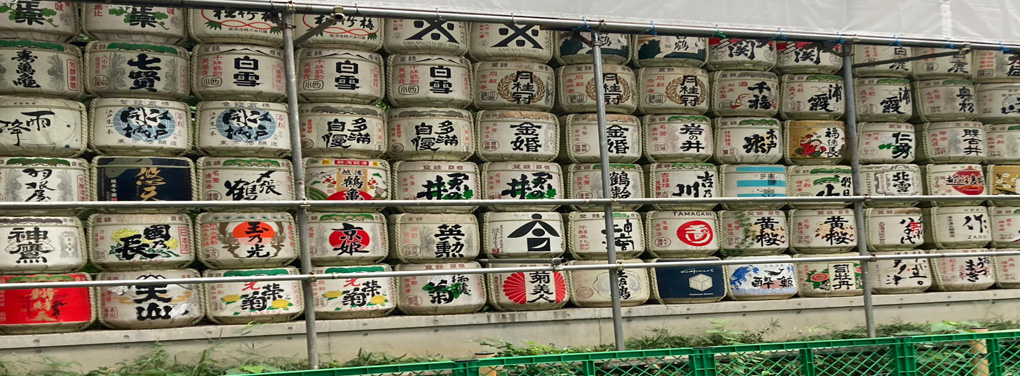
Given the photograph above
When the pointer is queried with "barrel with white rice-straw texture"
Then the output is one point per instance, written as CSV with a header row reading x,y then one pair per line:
x,y
673,90
41,127
753,233
748,140
649,50
353,31
42,69
246,179
1007,275
131,126
745,93
46,310
894,229
436,181
576,88
1003,142
820,181
150,306
591,288
435,134
957,227
237,72
737,54
808,58
678,138
134,23
954,180
575,48
43,180
883,99
1004,180
688,284
815,142
945,100
887,142
241,303
50,21
998,103
507,135
586,239
581,138
428,238
347,239
892,180
514,85
761,281
124,242
822,231
683,180
899,276
524,182
584,181
995,66
42,245
442,294
753,181
133,70
968,273
682,233
953,66
812,97
230,128
354,298
348,180
428,80
234,26
1005,224
434,36
523,235
864,53
342,130
340,76
511,41
246,240
527,291
826,279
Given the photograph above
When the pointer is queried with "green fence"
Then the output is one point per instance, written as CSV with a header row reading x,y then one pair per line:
x,y
978,354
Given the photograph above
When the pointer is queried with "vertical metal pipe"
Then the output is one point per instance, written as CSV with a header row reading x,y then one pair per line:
x,y
855,166
293,120
600,109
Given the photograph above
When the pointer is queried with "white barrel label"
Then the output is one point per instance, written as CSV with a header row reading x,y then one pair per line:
x,y
124,126
238,72
425,80
241,179
623,138
347,239
345,76
136,241
517,136
228,128
357,32
523,234
748,140
138,23
42,127
137,70
342,130
232,240
887,143
883,99
51,21
41,68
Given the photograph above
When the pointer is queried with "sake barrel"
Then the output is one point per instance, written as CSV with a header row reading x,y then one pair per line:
x,y
945,100
347,239
584,181
46,310
678,138
230,128
442,294
586,238
246,179
428,80
436,181
899,276
866,53
748,140
511,41
969,273
1003,142
517,136
50,21
581,138
894,229
954,180
673,90
435,36
815,142
688,284
953,66
744,93
576,88
42,245
575,48
44,69
124,242
883,99
43,180
892,180
1007,276
1005,222
1003,180
523,235
237,72
591,288
757,280
342,130
136,70
822,231
338,179
808,57
753,232
354,298
650,50
143,179
820,181
998,103
829,279
340,76
812,97
144,127
886,142
523,182
682,233
428,238
741,54
243,303
150,306
527,291
234,26
991,66
246,240
753,181
680,181
513,85
352,31
134,23
41,127
438,134
957,227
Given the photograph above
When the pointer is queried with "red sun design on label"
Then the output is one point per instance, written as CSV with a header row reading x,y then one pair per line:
x,y
969,182
348,195
517,289
251,233
346,237
695,233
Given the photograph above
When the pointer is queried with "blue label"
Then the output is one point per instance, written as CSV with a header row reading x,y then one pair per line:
x,y
143,179
690,282
144,123
245,125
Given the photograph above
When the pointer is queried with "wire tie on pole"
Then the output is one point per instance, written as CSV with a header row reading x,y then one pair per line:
x,y
438,16
311,277
652,30
718,32
513,19
780,36
1003,47
896,41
